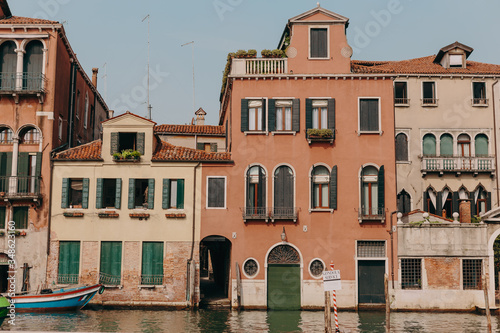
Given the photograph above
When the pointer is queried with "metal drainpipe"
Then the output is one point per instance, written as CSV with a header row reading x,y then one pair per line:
x,y
71,104
190,260
392,250
495,136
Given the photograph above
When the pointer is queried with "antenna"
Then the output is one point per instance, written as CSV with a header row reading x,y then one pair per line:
x,y
105,78
149,107
192,50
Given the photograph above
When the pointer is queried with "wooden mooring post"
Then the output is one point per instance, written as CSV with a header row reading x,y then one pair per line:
x,y
387,305
328,313
486,302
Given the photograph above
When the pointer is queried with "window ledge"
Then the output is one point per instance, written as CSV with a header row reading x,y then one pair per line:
x,y
150,286
370,132
255,132
73,214
404,105
312,210
322,58
113,286
283,132
175,215
139,216
403,162
481,105
108,215
429,105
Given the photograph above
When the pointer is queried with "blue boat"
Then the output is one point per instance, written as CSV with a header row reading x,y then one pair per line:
x,y
65,299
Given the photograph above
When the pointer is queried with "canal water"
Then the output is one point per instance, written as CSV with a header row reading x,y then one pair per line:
x,y
246,321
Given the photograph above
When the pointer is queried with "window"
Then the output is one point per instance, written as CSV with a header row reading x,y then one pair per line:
x,y
482,200
369,115
250,267
207,147
429,145
284,115
152,263
253,115
77,113
479,93
3,216
216,192
447,203
75,193
429,93
283,192
446,145
404,202
109,192
463,141
411,273
5,170
456,60
30,135
173,193
127,140
28,172
69,263
316,268
5,135
256,192
401,147
401,93
318,43
481,145
111,263
60,129
86,111
8,65
430,201
141,193
370,249
20,216
372,191
472,271
32,67
320,114
324,188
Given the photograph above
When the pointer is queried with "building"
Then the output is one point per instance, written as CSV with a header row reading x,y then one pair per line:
x,y
47,103
313,180
129,220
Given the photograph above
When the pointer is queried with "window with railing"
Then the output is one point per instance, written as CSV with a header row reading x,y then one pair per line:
x,y
69,262
429,93
479,93
255,207
111,263
6,135
401,93
284,194
372,193
152,263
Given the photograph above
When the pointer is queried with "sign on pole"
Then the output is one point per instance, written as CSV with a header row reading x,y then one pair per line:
x,y
331,280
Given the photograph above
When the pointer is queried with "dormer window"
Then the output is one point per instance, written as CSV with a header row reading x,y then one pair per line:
x,y
318,43
121,141
456,60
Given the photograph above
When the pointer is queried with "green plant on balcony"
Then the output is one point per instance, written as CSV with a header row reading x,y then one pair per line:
x,y
324,133
272,53
127,154
241,54
252,53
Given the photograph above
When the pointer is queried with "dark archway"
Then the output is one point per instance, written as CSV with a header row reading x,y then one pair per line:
x,y
215,264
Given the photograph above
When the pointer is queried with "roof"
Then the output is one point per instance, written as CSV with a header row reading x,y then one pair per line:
x,y
190,129
88,152
126,114
168,152
25,20
5,9
316,10
467,49
424,65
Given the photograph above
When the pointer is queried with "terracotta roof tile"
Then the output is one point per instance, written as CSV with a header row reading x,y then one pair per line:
x,y
25,20
168,152
423,65
190,129
90,151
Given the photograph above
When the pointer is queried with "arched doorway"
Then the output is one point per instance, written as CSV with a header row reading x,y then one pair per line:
x,y
283,278
215,264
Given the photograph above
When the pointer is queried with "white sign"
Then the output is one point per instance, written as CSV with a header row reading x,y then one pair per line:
x,y
331,280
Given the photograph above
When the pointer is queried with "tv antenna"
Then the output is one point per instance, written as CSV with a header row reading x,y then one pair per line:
x,y
192,51
149,107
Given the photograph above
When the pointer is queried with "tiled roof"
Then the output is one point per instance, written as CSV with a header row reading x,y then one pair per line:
x,y
423,65
90,151
25,20
168,152
190,129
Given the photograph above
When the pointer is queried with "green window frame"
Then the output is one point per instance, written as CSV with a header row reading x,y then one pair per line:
x,y
141,193
111,263
481,145
108,193
152,263
20,214
70,193
445,145
173,194
69,262
429,145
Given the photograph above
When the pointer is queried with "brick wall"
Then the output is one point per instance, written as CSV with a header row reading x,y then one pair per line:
x,y
442,273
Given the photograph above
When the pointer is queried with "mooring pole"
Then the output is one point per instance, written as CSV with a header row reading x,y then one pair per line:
x,y
328,317
334,292
387,305
486,302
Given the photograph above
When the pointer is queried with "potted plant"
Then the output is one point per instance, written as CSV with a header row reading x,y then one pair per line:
x,y
277,53
241,54
252,53
266,53
324,133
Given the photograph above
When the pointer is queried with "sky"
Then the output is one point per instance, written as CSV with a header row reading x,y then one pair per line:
x,y
111,36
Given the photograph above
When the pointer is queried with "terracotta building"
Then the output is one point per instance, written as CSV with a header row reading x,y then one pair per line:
x,y
47,103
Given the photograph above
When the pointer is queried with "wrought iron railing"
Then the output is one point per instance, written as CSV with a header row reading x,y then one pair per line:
x,y
19,186
152,280
401,101
429,101
458,163
27,82
67,278
259,66
109,279
371,213
255,213
479,101
284,213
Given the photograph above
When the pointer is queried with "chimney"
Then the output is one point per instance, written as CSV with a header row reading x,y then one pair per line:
x,y
200,116
111,113
464,209
94,76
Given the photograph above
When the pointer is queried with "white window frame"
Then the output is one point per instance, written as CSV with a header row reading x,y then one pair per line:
x,y
327,41
379,116
243,268
435,93
485,94
309,268
407,93
311,194
225,192
265,101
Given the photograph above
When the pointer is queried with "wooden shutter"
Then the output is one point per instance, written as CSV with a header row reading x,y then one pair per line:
x,y
226,130
318,43
216,189
180,193
140,142
152,261
200,146
261,190
99,193
313,195
331,115
5,164
455,202
333,188
296,115
118,194
64,193
272,115
21,217
244,115
111,257
151,193
69,261
425,206
131,193
114,142
401,147
213,147
488,201
23,164
165,200
3,215
308,114
85,193
439,203
38,167
264,114
381,190
472,204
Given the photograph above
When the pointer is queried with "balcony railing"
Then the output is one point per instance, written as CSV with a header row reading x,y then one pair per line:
x,y
151,280
12,187
480,101
404,101
67,279
22,82
255,213
284,213
457,164
371,214
259,66
112,280
429,101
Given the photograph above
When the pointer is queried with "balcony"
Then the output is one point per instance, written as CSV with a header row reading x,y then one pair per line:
x,y
401,101
284,213
457,164
16,84
479,102
429,101
20,187
255,213
259,66
371,214
151,280
108,279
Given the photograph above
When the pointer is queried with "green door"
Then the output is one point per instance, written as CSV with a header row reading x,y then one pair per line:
x,y
283,287
371,281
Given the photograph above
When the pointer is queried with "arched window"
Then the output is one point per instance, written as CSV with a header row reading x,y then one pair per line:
x,y
404,202
463,141
430,201
5,135
446,203
429,145
401,147
372,191
8,63
256,192
320,187
32,67
481,145
283,192
446,145
30,135
482,200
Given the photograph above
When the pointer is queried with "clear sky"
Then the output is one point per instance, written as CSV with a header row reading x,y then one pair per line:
x,y
111,32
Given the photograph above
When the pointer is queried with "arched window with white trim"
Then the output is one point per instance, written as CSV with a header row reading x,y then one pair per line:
x,y
372,192
430,200
401,147
481,145
8,66
429,145
33,66
256,192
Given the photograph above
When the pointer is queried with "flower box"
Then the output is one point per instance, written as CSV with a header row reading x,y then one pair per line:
x,y
108,215
139,216
175,216
73,214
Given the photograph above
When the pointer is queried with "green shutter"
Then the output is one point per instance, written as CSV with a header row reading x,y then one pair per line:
x,y
272,115
488,201
118,194
308,114
264,114
69,262
152,263
381,190
446,145
333,188
147,262
116,259
481,145
99,194
3,215
429,145
114,142
141,142
213,147
426,206
111,259
85,193
5,164
64,193
151,193
296,115
165,200
455,202
23,164
21,217
439,203
200,145
180,193
331,115
38,167
244,115
131,193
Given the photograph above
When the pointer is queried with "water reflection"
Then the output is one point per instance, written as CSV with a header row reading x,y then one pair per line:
x,y
284,321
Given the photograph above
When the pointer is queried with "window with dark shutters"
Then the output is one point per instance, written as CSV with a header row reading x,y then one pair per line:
x,y
216,192
111,263
173,194
21,217
255,207
283,192
318,43
244,115
3,215
368,115
69,262
152,263
401,147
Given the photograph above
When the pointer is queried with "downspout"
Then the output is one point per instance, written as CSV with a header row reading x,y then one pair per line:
x,y
189,292
71,103
392,249
391,232
52,152
495,138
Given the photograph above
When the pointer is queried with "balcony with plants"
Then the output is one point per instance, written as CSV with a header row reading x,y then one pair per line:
x,y
127,155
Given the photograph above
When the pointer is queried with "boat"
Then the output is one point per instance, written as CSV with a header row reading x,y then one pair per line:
x,y
59,300
4,308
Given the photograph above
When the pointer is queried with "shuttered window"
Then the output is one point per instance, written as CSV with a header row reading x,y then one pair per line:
x,y
320,177
481,145
173,194
256,190
404,202
69,263
318,43
253,115
21,217
283,188
216,192
152,263
3,216
445,145
111,263
369,115
8,65
75,193
320,114
373,191
401,147
5,171
128,141
141,193
108,193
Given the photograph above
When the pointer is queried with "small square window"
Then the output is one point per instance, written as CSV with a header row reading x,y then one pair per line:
x,y
319,43
479,93
456,60
75,192
429,93
21,217
369,115
401,93
216,192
